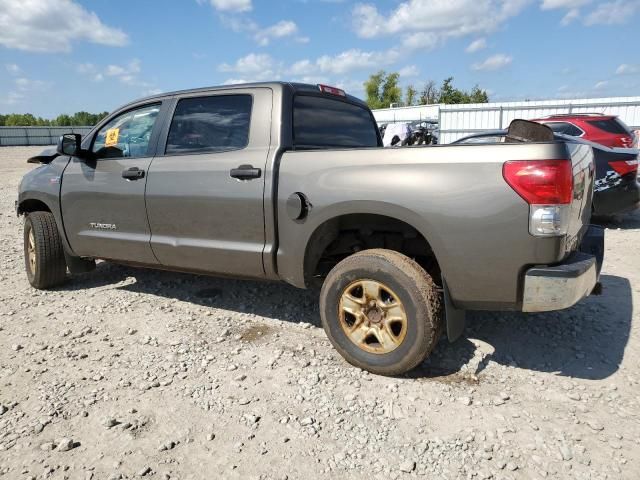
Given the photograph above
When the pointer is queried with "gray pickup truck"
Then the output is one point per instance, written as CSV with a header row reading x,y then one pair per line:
x,y
283,181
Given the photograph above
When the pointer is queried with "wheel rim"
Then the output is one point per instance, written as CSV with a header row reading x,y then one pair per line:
x,y
372,316
31,251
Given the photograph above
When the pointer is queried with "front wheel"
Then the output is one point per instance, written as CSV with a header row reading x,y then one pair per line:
x,y
381,311
43,254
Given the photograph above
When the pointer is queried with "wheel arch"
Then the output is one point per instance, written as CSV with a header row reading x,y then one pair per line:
x,y
330,229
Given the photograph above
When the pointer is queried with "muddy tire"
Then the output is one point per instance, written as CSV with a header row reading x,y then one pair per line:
x,y
381,311
43,254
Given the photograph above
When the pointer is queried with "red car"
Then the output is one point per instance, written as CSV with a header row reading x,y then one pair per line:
x,y
607,130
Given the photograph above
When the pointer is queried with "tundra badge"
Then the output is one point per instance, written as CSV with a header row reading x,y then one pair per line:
x,y
103,226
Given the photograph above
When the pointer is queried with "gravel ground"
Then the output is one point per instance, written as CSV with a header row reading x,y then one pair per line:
x,y
126,373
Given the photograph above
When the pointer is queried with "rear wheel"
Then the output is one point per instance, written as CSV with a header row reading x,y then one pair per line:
x,y
381,311
43,254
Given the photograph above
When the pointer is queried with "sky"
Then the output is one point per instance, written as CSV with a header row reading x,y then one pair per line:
x,y
62,56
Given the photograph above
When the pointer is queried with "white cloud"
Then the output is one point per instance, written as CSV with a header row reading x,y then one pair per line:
x,y
52,26
263,36
12,98
494,62
606,13
611,13
553,4
284,28
261,66
571,15
13,69
440,18
409,71
354,59
477,45
600,85
233,6
127,74
28,85
421,40
251,64
24,88
627,69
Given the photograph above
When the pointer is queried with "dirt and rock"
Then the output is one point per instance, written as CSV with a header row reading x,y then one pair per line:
x,y
128,373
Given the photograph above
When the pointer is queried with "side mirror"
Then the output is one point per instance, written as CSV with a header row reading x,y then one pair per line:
x,y
69,144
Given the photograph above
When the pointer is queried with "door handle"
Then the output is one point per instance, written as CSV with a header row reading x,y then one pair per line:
x,y
245,172
133,173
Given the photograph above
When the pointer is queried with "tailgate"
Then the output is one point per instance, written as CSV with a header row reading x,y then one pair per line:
x,y
582,162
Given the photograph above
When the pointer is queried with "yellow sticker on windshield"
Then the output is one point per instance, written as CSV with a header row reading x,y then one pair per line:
x,y
112,137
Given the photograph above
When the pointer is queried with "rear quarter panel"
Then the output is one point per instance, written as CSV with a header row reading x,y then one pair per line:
x,y
454,195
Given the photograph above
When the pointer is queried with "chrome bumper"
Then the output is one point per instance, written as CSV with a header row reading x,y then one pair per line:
x,y
559,287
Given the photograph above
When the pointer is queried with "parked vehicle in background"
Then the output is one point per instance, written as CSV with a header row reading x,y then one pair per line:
x,y
397,135
616,185
423,133
607,130
289,182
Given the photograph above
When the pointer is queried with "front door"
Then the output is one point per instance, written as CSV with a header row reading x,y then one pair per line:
x,y
205,189
102,196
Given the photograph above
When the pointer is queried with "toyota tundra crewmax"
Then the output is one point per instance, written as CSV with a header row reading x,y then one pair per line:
x,y
290,182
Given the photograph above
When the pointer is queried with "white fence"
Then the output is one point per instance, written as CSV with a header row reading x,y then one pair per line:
x,y
457,121
36,135
407,114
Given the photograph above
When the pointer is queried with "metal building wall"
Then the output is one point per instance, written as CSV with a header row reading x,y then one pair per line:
x,y
457,121
14,136
407,114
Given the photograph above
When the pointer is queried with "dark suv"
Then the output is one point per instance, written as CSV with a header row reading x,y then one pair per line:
x,y
607,130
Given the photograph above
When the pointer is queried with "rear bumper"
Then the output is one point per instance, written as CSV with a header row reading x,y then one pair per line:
x,y
562,286
618,199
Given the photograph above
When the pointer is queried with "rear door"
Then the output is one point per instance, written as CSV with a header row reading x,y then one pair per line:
x,y
102,197
205,188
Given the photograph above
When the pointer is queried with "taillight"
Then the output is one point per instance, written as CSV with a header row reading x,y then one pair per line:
x,y
541,182
627,142
624,167
547,186
332,90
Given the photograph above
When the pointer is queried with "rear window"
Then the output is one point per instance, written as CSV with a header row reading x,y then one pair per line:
x,y
612,125
326,123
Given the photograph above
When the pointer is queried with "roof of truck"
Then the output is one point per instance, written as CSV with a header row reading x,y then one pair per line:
x,y
297,87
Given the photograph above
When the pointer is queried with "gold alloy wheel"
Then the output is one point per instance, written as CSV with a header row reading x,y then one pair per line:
x,y
372,316
31,250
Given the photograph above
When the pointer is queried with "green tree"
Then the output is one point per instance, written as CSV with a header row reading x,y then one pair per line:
x,y
429,94
478,95
63,120
450,94
411,95
382,89
80,119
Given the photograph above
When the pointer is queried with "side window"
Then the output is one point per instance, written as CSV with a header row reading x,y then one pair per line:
x,y
558,127
215,123
127,135
565,128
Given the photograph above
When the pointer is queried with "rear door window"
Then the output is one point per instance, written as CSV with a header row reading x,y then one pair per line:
x,y
320,122
216,123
